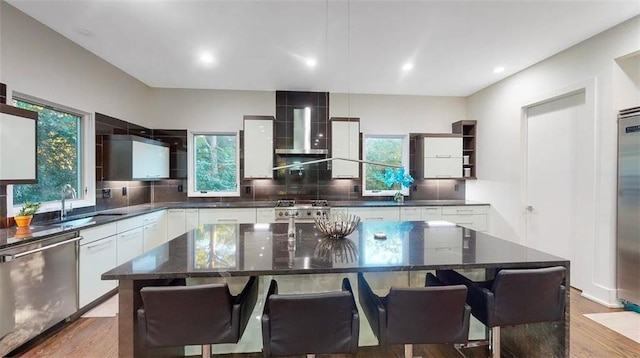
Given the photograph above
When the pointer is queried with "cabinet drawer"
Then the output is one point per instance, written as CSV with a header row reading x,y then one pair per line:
x,y
376,214
97,233
265,215
465,210
152,217
130,245
477,222
411,214
227,216
131,223
431,213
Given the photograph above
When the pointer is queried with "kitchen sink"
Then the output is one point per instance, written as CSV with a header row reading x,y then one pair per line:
x,y
76,222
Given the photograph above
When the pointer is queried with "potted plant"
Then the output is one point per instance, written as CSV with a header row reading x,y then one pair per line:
x,y
24,216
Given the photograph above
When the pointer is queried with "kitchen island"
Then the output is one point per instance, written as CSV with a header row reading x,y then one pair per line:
x,y
263,250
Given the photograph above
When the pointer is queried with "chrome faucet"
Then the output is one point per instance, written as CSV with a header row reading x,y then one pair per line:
x,y
66,189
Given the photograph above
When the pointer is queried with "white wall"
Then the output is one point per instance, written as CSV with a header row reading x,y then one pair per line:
x,y
37,61
500,146
207,110
380,114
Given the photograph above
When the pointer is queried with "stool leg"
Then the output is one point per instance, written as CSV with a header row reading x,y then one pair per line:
x,y
495,342
408,351
206,351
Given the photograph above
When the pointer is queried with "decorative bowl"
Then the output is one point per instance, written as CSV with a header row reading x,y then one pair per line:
x,y
337,225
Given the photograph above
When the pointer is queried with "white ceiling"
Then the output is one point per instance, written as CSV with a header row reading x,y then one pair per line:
x,y
359,46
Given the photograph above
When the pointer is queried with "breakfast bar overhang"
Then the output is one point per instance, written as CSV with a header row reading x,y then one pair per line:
x,y
265,250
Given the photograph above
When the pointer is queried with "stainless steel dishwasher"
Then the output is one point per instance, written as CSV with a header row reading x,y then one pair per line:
x,y
38,288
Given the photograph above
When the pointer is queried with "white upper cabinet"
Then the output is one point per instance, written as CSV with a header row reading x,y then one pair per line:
x,y
258,147
17,145
129,157
149,161
345,143
442,157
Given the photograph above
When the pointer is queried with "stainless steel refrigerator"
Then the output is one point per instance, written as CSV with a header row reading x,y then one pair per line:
x,y
628,231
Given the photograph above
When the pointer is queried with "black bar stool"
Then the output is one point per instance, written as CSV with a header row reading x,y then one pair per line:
x,y
515,296
315,323
191,315
417,315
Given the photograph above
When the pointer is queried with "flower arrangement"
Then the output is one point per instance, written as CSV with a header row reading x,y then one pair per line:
x,y
397,176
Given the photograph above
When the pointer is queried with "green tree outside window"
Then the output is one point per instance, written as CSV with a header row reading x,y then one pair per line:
x,y
215,162
58,152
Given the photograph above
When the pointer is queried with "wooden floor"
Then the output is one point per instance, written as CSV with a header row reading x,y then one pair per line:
x,y
97,337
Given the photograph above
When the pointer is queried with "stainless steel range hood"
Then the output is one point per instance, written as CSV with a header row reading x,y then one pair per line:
x,y
302,142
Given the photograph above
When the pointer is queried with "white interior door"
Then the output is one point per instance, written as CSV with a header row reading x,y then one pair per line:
x,y
559,190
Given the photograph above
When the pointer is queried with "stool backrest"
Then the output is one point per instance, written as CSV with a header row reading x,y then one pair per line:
x,y
423,315
528,296
311,323
182,315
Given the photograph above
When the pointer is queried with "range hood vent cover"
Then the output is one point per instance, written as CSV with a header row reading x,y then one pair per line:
x,y
302,143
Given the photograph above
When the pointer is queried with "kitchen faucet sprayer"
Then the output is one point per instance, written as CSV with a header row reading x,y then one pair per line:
x,y
66,189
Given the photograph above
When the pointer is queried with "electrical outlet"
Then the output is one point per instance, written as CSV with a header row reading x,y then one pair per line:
x,y
124,191
356,188
247,190
180,188
106,193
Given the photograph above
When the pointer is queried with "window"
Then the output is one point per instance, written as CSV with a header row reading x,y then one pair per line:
x,y
61,156
388,149
214,164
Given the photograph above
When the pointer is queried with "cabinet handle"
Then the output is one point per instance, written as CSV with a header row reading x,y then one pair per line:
x,y
442,156
127,236
376,218
108,242
443,176
344,176
227,220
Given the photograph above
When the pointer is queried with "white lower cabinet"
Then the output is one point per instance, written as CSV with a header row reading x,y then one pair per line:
x,y
431,213
265,215
376,214
413,213
97,255
227,216
176,223
474,217
130,244
153,235
191,219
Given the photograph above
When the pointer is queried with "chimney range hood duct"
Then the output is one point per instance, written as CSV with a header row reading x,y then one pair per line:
x,y
302,143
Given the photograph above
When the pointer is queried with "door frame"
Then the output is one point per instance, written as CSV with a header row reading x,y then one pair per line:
x,y
587,87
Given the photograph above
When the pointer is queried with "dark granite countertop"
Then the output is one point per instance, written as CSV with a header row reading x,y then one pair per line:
x,y
391,203
263,249
42,230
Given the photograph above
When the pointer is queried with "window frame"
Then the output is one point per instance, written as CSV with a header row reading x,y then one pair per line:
x,y
191,182
86,171
404,163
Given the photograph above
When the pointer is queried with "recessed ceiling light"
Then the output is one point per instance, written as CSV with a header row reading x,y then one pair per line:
x,y
206,58
407,67
311,62
498,69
